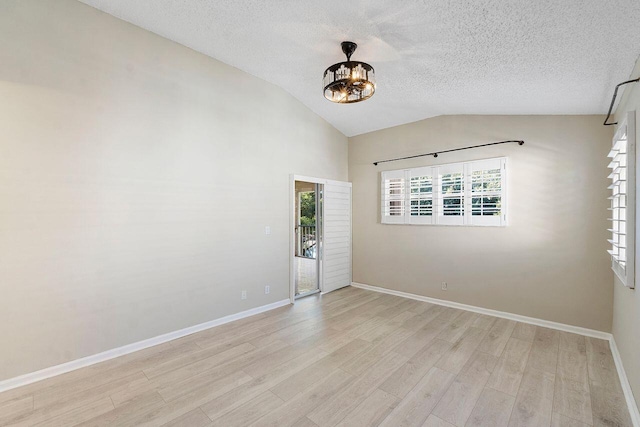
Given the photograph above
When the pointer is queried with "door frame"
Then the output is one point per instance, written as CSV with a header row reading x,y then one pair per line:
x,y
292,235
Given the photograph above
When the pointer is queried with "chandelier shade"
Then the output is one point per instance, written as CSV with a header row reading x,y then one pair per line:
x,y
350,81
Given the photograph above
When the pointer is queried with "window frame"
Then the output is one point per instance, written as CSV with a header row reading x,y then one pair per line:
x,y
623,268
466,194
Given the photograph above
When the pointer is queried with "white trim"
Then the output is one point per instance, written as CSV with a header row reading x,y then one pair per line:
x,y
292,235
292,238
53,371
503,314
626,387
320,180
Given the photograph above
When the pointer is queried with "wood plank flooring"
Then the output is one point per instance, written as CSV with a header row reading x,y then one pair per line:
x,y
348,358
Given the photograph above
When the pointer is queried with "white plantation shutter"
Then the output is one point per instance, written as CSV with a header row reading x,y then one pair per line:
x,y
420,196
622,200
451,194
336,264
486,180
469,193
618,199
393,197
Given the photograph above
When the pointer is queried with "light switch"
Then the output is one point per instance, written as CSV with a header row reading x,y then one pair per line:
x,y
267,230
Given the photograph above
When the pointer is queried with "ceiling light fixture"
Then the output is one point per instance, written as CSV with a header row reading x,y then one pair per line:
x,y
350,81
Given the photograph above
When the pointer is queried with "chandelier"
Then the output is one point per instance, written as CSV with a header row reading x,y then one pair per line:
x,y
350,81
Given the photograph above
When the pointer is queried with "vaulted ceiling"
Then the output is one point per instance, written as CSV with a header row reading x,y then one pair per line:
x,y
432,57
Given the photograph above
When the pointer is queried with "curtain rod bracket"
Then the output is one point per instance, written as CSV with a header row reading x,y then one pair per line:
x,y
435,153
613,101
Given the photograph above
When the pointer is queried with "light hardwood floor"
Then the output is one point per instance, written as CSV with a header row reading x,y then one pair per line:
x,y
348,358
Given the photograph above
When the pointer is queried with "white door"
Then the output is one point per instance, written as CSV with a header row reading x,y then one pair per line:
x,y
336,252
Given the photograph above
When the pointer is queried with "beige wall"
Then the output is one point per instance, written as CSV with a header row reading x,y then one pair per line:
x,y
136,179
550,262
626,302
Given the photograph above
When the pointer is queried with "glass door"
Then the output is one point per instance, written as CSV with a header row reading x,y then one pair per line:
x,y
308,242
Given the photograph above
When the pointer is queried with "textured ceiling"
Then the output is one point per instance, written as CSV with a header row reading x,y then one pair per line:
x,y
431,57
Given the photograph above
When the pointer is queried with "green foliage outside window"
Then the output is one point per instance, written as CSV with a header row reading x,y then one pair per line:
x,y
308,208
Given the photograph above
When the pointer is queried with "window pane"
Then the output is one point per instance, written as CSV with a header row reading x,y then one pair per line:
x,y
452,183
453,206
486,206
485,183
395,187
421,185
421,196
422,207
395,208
486,180
394,197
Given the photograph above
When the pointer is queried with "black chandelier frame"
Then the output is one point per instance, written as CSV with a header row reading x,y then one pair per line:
x,y
350,81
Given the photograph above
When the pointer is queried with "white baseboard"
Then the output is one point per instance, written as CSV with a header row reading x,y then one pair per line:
x,y
503,314
52,371
624,381
626,387
140,345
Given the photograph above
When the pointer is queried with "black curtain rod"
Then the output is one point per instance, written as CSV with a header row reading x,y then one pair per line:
x,y
613,100
435,153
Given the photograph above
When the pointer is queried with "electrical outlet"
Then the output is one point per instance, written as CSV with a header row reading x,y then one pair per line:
x,y
267,289
444,286
267,230
244,295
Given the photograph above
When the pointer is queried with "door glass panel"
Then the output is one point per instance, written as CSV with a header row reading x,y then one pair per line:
x,y
306,232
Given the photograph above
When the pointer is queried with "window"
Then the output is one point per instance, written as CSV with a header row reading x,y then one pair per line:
x,y
622,200
470,193
421,195
394,197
